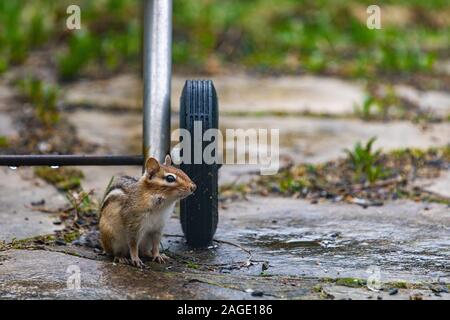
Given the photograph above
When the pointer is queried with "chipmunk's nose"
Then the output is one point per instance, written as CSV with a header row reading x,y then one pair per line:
x,y
193,187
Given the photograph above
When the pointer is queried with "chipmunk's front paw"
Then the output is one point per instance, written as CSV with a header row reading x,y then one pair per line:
x,y
160,258
137,262
121,260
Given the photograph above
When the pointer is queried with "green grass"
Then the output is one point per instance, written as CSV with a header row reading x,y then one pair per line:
x,y
43,97
82,47
24,25
292,35
266,35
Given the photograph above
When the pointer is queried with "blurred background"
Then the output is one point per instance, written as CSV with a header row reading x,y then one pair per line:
x,y
311,68
286,36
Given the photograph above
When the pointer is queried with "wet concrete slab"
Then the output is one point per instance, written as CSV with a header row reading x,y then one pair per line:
x,y
345,293
407,241
20,278
18,219
237,92
307,251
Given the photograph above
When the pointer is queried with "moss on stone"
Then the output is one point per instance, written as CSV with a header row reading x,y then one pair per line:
x,y
4,143
63,178
192,265
351,282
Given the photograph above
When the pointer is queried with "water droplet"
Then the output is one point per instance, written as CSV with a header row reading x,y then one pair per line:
x,y
54,167
12,167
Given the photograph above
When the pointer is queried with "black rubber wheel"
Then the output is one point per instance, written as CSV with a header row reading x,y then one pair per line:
x,y
199,212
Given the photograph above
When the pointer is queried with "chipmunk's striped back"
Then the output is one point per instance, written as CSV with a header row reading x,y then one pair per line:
x,y
119,188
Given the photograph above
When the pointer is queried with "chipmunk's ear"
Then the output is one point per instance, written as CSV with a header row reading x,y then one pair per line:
x,y
151,166
168,160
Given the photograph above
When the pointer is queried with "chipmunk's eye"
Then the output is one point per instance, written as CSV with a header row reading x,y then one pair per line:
x,y
170,178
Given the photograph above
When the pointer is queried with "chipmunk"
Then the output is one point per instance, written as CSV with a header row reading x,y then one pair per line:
x,y
134,211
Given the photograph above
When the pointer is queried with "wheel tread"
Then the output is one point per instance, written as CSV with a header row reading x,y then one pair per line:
x,y
199,213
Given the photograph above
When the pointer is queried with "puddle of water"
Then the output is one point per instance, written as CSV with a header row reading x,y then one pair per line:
x,y
293,240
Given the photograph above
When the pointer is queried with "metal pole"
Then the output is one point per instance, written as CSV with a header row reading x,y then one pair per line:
x,y
157,76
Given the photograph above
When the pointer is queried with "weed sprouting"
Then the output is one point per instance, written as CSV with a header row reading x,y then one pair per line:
x,y
380,106
364,160
83,203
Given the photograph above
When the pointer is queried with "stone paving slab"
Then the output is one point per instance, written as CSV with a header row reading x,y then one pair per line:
x,y
26,274
407,240
112,132
440,185
302,139
6,125
344,293
241,92
21,278
434,102
17,219
318,140
236,93
6,94
6,121
97,178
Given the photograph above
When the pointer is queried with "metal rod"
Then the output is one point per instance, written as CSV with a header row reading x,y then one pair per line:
x,y
70,160
157,76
